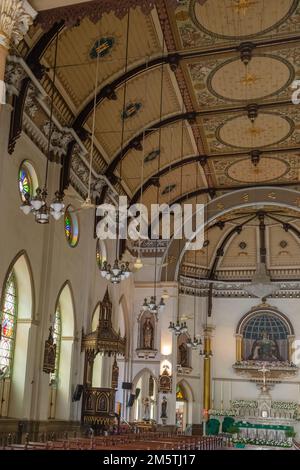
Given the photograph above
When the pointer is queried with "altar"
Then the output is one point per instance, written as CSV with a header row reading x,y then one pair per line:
x,y
268,431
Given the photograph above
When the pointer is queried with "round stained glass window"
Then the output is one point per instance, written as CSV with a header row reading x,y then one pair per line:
x,y
27,180
71,227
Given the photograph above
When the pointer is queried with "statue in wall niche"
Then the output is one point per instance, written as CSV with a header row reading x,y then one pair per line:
x,y
148,335
183,355
164,406
146,409
49,353
265,349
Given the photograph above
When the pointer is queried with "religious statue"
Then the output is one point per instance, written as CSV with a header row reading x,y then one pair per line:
x,y
164,406
265,349
146,409
148,335
183,355
49,353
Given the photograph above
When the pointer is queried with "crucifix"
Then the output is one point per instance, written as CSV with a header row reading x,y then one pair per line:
x,y
264,371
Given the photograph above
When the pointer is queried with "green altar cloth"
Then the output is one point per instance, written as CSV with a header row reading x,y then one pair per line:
x,y
240,424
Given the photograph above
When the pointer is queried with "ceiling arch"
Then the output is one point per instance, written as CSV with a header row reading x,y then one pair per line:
x,y
254,197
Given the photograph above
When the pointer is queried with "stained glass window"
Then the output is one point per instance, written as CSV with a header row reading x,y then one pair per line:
x,y
179,394
272,325
8,323
71,228
57,341
25,181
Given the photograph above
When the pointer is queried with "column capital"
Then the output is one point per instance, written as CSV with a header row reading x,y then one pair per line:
x,y
16,16
208,330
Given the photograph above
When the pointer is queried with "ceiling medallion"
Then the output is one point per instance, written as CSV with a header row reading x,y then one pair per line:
x,y
102,47
152,156
250,77
255,130
239,19
268,169
131,109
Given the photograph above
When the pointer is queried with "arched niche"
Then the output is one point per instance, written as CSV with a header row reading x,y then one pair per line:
x,y
183,353
147,337
264,334
145,385
217,207
16,389
184,404
60,392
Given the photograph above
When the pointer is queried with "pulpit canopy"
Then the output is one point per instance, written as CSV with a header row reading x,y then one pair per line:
x,y
104,339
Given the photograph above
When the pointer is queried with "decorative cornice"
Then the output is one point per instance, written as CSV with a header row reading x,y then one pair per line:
x,y
16,16
235,289
96,8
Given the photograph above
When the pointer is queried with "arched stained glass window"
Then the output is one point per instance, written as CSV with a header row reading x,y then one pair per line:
x,y
71,227
27,180
8,324
57,341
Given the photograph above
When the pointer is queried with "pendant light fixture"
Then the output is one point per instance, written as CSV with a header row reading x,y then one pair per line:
x,y
38,204
179,328
195,342
152,305
119,271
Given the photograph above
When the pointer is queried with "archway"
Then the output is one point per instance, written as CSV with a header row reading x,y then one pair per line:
x,y
254,196
61,380
18,336
184,405
145,389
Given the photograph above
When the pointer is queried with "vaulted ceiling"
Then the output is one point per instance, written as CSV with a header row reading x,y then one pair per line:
x,y
173,95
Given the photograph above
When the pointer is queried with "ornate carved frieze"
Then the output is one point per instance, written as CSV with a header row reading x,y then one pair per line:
x,y
16,16
191,286
96,8
14,74
59,139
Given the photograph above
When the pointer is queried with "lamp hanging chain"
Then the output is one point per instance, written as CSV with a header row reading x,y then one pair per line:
x,y
51,112
159,147
123,129
93,128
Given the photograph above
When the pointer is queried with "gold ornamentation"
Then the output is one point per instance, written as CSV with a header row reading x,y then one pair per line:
x,y
165,381
272,195
297,202
220,206
245,197
242,6
249,79
255,130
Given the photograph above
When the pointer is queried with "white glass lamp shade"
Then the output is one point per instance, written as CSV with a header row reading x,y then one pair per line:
x,y
26,208
261,285
56,214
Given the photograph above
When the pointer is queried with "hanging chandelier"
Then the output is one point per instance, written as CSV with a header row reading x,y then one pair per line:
x,y
152,306
205,354
194,344
116,273
261,285
38,205
178,328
